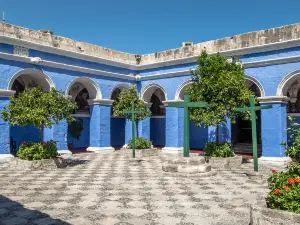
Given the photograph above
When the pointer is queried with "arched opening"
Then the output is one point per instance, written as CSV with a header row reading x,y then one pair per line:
x,y
81,91
241,131
117,130
198,135
21,81
154,95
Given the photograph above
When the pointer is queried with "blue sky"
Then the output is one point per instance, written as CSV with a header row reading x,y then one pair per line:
x,y
140,26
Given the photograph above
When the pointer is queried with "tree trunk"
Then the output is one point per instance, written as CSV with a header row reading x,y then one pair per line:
x,y
137,128
41,134
217,133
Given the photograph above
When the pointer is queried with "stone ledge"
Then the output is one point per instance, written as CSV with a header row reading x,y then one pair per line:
x,y
266,216
221,163
44,164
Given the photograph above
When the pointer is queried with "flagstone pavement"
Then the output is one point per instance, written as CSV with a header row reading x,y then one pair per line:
x,y
110,188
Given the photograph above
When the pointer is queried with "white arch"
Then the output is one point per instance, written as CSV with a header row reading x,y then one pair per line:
x,y
186,83
257,83
38,75
181,89
120,86
91,86
149,90
286,82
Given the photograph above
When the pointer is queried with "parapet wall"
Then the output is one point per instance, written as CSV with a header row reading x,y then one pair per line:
x,y
246,40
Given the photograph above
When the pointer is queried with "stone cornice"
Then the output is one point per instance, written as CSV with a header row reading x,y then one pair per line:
x,y
273,99
6,93
247,43
170,101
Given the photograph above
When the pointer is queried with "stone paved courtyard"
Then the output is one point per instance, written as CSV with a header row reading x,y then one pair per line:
x,y
110,188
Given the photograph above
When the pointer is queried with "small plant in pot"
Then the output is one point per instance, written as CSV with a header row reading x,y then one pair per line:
x,y
37,151
213,149
140,143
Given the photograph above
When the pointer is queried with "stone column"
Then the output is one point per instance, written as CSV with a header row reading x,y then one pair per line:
x,y
273,127
4,126
174,129
100,125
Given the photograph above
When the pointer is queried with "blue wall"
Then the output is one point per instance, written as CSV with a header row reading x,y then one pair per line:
x,y
84,140
26,133
117,131
198,136
158,131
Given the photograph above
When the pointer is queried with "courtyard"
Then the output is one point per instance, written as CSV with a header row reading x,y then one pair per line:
x,y
111,188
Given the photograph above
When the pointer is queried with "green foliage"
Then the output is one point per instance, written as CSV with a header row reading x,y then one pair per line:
x,y
285,189
75,128
140,143
123,104
38,108
222,85
37,151
293,130
218,149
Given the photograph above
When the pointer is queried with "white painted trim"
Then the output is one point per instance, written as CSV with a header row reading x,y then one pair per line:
x,y
89,84
158,117
172,149
294,114
146,88
64,152
6,157
63,52
81,115
67,67
286,82
273,99
6,93
166,75
100,149
171,101
181,88
276,159
120,86
33,72
100,102
257,83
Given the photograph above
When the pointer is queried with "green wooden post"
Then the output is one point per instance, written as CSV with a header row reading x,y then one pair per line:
x,y
187,105
132,112
252,110
133,131
186,142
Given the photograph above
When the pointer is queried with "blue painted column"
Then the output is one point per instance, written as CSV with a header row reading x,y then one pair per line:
x,y
273,126
100,111
4,126
174,129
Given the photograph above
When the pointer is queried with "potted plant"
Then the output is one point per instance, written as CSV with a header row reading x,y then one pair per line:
x,y
143,147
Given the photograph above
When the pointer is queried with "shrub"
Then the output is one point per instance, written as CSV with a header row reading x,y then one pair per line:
x,y
218,149
37,151
140,143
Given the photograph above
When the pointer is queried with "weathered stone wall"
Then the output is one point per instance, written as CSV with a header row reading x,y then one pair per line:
x,y
251,39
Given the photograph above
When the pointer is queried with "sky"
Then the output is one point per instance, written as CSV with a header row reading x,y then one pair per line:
x,y
140,26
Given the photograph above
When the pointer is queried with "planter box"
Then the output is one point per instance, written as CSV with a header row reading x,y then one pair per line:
x,y
221,163
43,164
140,153
265,216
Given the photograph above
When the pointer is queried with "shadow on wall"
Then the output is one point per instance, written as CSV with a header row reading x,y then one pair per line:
x,y
224,133
84,140
13,212
26,133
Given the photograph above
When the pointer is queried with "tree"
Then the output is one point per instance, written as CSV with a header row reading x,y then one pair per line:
x,y
75,128
38,108
221,84
123,104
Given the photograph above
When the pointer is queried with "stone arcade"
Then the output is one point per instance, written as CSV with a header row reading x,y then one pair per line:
x,y
94,76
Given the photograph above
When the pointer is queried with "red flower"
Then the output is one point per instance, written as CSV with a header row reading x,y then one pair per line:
x,y
297,180
286,188
23,143
44,143
273,171
149,141
291,181
277,191
219,143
